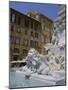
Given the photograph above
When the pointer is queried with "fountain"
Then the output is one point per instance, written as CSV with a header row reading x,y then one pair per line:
x,y
44,70
52,64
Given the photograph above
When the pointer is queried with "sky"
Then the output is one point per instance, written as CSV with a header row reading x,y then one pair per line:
x,y
49,10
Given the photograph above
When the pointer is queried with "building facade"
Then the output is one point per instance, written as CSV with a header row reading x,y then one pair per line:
x,y
46,25
27,32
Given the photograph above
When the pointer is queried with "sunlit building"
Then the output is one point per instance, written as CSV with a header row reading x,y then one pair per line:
x,y
46,25
27,32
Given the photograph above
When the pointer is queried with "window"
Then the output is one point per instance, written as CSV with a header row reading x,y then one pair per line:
x,y
13,18
36,26
17,40
18,30
12,27
32,34
11,39
16,50
31,43
32,25
19,20
26,23
15,57
45,37
25,42
36,44
36,35
26,31
24,52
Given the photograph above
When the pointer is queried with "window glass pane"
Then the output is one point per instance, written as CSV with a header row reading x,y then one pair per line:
x,y
32,34
24,52
11,39
17,40
19,20
16,50
32,25
26,23
13,18
36,35
25,42
31,43
15,57
36,26
12,27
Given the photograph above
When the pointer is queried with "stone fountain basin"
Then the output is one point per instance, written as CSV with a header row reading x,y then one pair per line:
x,y
52,80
